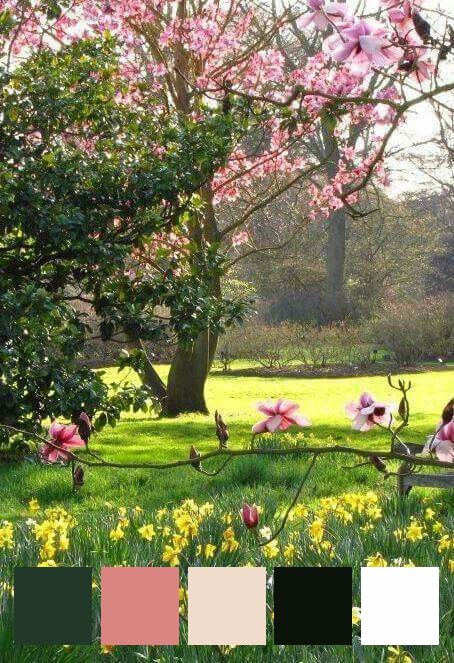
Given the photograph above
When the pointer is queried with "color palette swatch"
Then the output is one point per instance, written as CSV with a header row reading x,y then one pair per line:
x,y
313,606
227,606
400,606
139,606
53,606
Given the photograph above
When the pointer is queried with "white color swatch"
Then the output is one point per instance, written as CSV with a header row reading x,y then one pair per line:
x,y
400,606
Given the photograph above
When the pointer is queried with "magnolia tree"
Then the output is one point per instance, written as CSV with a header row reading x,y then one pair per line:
x,y
368,73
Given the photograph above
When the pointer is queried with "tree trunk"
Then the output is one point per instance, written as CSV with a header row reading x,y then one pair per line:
x,y
149,375
335,257
336,239
188,374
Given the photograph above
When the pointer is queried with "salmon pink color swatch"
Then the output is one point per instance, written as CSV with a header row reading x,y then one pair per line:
x,y
139,606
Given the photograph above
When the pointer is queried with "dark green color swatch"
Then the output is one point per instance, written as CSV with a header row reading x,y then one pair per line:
x,y
52,606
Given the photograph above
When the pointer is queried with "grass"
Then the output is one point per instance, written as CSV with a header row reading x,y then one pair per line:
x,y
269,483
138,438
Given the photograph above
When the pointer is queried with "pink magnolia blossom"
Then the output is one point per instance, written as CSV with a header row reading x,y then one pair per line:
x,y
280,416
323,14
443,443
240,238
368,412
417,64
362,45
249,515
401,14
63,438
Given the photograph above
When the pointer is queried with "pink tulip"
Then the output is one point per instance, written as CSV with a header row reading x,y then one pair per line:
x,y
368,413
280,416
249,515
323,14
443,443
63,439
363,45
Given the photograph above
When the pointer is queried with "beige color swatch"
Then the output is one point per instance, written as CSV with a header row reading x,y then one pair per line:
x,y
227,606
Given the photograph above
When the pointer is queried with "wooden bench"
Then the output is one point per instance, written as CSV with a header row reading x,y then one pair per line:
x,y
406,479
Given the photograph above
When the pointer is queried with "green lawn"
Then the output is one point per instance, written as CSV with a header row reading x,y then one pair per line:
x,y
139,438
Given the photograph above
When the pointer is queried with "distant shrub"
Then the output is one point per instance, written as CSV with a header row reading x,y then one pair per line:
x,y
416,330
271,346
278,346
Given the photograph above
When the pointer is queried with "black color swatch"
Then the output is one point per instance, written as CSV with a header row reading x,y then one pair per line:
x,y
52,606
313,606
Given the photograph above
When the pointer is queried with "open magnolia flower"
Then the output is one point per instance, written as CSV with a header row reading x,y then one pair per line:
x,y
323,14
63,438
443,443
363,45
368,412
280,416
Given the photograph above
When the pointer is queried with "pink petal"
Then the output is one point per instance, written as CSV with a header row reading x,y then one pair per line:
x,y
259,427
320,21
286,407
273,423
305,20
75,441
371,44
55,429
67,433
351,410
267,408
360,65
343,51
368,410
53,455
366,399
362,423
299,420
445,451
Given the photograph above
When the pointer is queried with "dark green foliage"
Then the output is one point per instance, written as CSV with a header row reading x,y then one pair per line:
x,y
82,187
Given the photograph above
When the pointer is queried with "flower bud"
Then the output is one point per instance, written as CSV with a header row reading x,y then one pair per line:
x,y
249,515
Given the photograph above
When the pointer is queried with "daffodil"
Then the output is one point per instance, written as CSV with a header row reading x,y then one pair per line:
x,y
147,532
33,506
289,553
445,543
107,649
414,532
271,549
429,514
186,525
356,615
6,535
116,534
230,544
171,555
398,655
209,550
376,560
49,563
316,530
